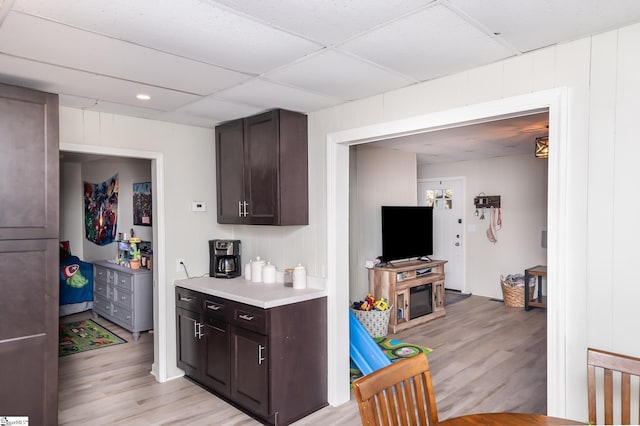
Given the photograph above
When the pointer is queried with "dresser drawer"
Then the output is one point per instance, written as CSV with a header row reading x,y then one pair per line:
x,y
122,314
102,289
249,317
124,298
101,305
104,274
124,281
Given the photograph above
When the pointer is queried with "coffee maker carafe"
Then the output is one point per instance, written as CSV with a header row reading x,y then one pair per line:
x,y
224,259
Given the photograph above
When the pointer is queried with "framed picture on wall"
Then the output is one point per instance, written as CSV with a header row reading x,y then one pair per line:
x,y
142,204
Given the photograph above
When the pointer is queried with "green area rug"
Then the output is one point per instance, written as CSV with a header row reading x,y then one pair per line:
x,y
394,350
85,335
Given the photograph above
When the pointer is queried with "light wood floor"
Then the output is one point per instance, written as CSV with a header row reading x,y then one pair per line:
x,y
486,358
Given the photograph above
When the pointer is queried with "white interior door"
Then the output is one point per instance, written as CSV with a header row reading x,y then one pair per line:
x,y
447,198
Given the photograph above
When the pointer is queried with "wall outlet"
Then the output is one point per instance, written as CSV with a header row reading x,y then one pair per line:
x,y
179,266
198,206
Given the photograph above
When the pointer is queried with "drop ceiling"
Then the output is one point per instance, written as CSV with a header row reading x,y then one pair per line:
x,y
203,62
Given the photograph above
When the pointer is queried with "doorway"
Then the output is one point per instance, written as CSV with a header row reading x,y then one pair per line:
x,y
159,366
338,143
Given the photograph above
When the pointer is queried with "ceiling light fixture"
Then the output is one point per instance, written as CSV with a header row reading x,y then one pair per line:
x,y
542,147
143,97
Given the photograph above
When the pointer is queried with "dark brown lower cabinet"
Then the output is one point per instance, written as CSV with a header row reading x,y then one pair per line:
x,y
271,363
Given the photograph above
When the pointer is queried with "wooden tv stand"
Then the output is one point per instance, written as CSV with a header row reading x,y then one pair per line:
x,y
394,283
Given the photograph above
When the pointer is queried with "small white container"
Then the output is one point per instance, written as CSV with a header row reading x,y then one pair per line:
x,y
299,277
247,270
256,270
269,273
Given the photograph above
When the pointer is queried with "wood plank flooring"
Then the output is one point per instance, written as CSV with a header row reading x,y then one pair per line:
x,y
487,357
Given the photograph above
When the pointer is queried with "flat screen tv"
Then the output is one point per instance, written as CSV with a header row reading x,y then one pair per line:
x,y
407,232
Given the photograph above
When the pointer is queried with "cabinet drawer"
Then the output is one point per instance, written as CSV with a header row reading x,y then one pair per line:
x,y
104,274
214,307
122,314
124,281
101,288
188,299
124,298
250,317
101,305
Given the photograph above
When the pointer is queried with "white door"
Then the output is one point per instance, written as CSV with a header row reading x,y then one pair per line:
x,y
447,198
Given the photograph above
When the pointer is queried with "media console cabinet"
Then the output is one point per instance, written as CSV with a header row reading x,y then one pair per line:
x,y
414,288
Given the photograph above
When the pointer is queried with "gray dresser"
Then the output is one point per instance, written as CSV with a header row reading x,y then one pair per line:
x,y
123,296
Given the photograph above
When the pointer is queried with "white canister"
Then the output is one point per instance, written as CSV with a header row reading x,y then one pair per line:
x,y
247,270
269,273
256,270
299,277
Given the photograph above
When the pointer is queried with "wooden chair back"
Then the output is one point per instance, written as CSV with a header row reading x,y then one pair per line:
x,y
623,366
398,394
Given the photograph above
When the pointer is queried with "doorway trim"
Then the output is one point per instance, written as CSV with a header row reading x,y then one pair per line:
x,y
556,102
159,367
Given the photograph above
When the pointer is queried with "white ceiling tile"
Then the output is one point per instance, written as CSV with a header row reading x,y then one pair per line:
x,y
271,95
326,21
103,106
338,75
219,110
77,83
532,24
194,29
431,43
91,52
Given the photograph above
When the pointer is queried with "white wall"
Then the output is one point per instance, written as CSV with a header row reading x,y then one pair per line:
x,y
383,177
521,182
71,207
129,171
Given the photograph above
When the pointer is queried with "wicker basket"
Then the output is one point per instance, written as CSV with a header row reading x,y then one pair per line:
x,y
513,296
375,322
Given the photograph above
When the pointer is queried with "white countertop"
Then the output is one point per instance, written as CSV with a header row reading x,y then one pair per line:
x,y
256,294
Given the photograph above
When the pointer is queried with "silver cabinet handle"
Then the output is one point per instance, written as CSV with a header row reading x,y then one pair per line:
x,y
197,330
246,317
185,299
260,357
239,208
213,306
245,209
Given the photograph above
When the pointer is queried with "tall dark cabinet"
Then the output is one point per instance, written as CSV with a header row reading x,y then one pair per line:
x,y
261,169
29,190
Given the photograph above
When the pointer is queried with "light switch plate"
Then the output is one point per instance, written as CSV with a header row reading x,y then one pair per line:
x,y
198,206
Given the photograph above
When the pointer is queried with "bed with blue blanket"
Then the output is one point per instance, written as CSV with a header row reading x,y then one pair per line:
x,y
76,285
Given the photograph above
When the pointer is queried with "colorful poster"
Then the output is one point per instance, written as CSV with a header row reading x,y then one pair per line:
x,y
101,211
142,204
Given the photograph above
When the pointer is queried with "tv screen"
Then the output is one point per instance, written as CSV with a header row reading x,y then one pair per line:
x,y
407,232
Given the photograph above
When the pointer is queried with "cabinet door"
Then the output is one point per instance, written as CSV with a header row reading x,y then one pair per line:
x,y
261,157
230,172
216,372
188,343
250,380
29,164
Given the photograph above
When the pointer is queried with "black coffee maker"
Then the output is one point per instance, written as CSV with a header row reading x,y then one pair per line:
x,y
224,259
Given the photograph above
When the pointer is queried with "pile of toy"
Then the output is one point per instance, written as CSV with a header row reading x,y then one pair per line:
x,y
371,304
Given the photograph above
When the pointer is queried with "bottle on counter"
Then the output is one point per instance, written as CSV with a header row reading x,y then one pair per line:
x,y
247,270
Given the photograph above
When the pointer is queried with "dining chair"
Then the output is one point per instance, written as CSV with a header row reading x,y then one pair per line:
x,y
612,364
398,394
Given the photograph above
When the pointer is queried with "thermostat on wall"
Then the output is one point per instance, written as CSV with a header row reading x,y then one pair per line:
x,y
198,206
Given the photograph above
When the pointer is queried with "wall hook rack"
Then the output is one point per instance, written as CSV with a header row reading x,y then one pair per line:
x,y
487,201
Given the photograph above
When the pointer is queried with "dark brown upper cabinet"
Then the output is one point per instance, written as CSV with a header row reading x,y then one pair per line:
x,y
261,169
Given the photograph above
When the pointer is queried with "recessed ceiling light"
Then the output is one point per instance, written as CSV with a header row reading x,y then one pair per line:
x,y
143,97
